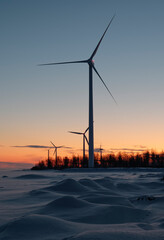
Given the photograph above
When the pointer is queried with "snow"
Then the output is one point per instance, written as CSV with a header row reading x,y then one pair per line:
x,y
113,204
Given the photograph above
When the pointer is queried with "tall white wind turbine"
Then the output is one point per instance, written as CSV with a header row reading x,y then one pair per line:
x,y
84,139
91,68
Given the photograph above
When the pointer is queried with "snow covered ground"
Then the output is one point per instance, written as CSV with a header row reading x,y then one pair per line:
x,y
113,204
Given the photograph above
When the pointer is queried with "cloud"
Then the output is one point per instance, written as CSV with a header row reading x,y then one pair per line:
x,y
15,165
72,152
32,146
140,146
129,149
38,146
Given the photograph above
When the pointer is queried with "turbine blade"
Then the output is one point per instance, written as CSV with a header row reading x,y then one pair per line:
x,y
86,139
94,52
76,132
53,144
86,130
59,146
104,83
44,64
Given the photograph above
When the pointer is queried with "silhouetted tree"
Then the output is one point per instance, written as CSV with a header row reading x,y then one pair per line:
x,y
157,160
40,166
138,160
153,159
75,162
66,162
49,163
162,159
84,162
111,160
120,160
146,159
132,162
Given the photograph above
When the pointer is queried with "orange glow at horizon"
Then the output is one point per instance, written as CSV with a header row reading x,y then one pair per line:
x,y
33,156
115,135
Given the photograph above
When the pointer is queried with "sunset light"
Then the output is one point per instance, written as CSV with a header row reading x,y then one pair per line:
x,y
41,104
82,120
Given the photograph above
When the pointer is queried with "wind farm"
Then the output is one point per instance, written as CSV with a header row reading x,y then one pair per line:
x,y
38,102
101,176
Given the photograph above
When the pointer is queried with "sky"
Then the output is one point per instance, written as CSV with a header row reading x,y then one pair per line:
x,y
41,104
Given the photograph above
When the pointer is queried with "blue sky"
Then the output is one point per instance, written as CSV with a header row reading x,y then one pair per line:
x,y
39,104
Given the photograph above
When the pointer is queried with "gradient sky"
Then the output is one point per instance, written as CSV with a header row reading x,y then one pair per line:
x,y
39,104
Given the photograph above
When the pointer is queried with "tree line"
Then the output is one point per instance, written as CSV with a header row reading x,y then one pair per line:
x,y
144,160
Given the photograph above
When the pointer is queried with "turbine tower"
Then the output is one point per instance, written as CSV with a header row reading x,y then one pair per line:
x,y
48,154
90,62
55,151
84,139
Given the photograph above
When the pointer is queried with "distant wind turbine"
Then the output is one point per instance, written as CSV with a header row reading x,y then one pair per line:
x,y
84,139
91,68
55,151
100,150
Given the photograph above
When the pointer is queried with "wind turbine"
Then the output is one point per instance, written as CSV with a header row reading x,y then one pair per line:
x,y
90,62
100,150
55,151
84,139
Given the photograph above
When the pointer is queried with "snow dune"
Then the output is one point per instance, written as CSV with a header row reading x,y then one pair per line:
x,y
31,176
118,235
114,204
37,227
68,186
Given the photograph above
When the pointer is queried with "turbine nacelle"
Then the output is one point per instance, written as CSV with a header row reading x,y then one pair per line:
x,y
91,62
